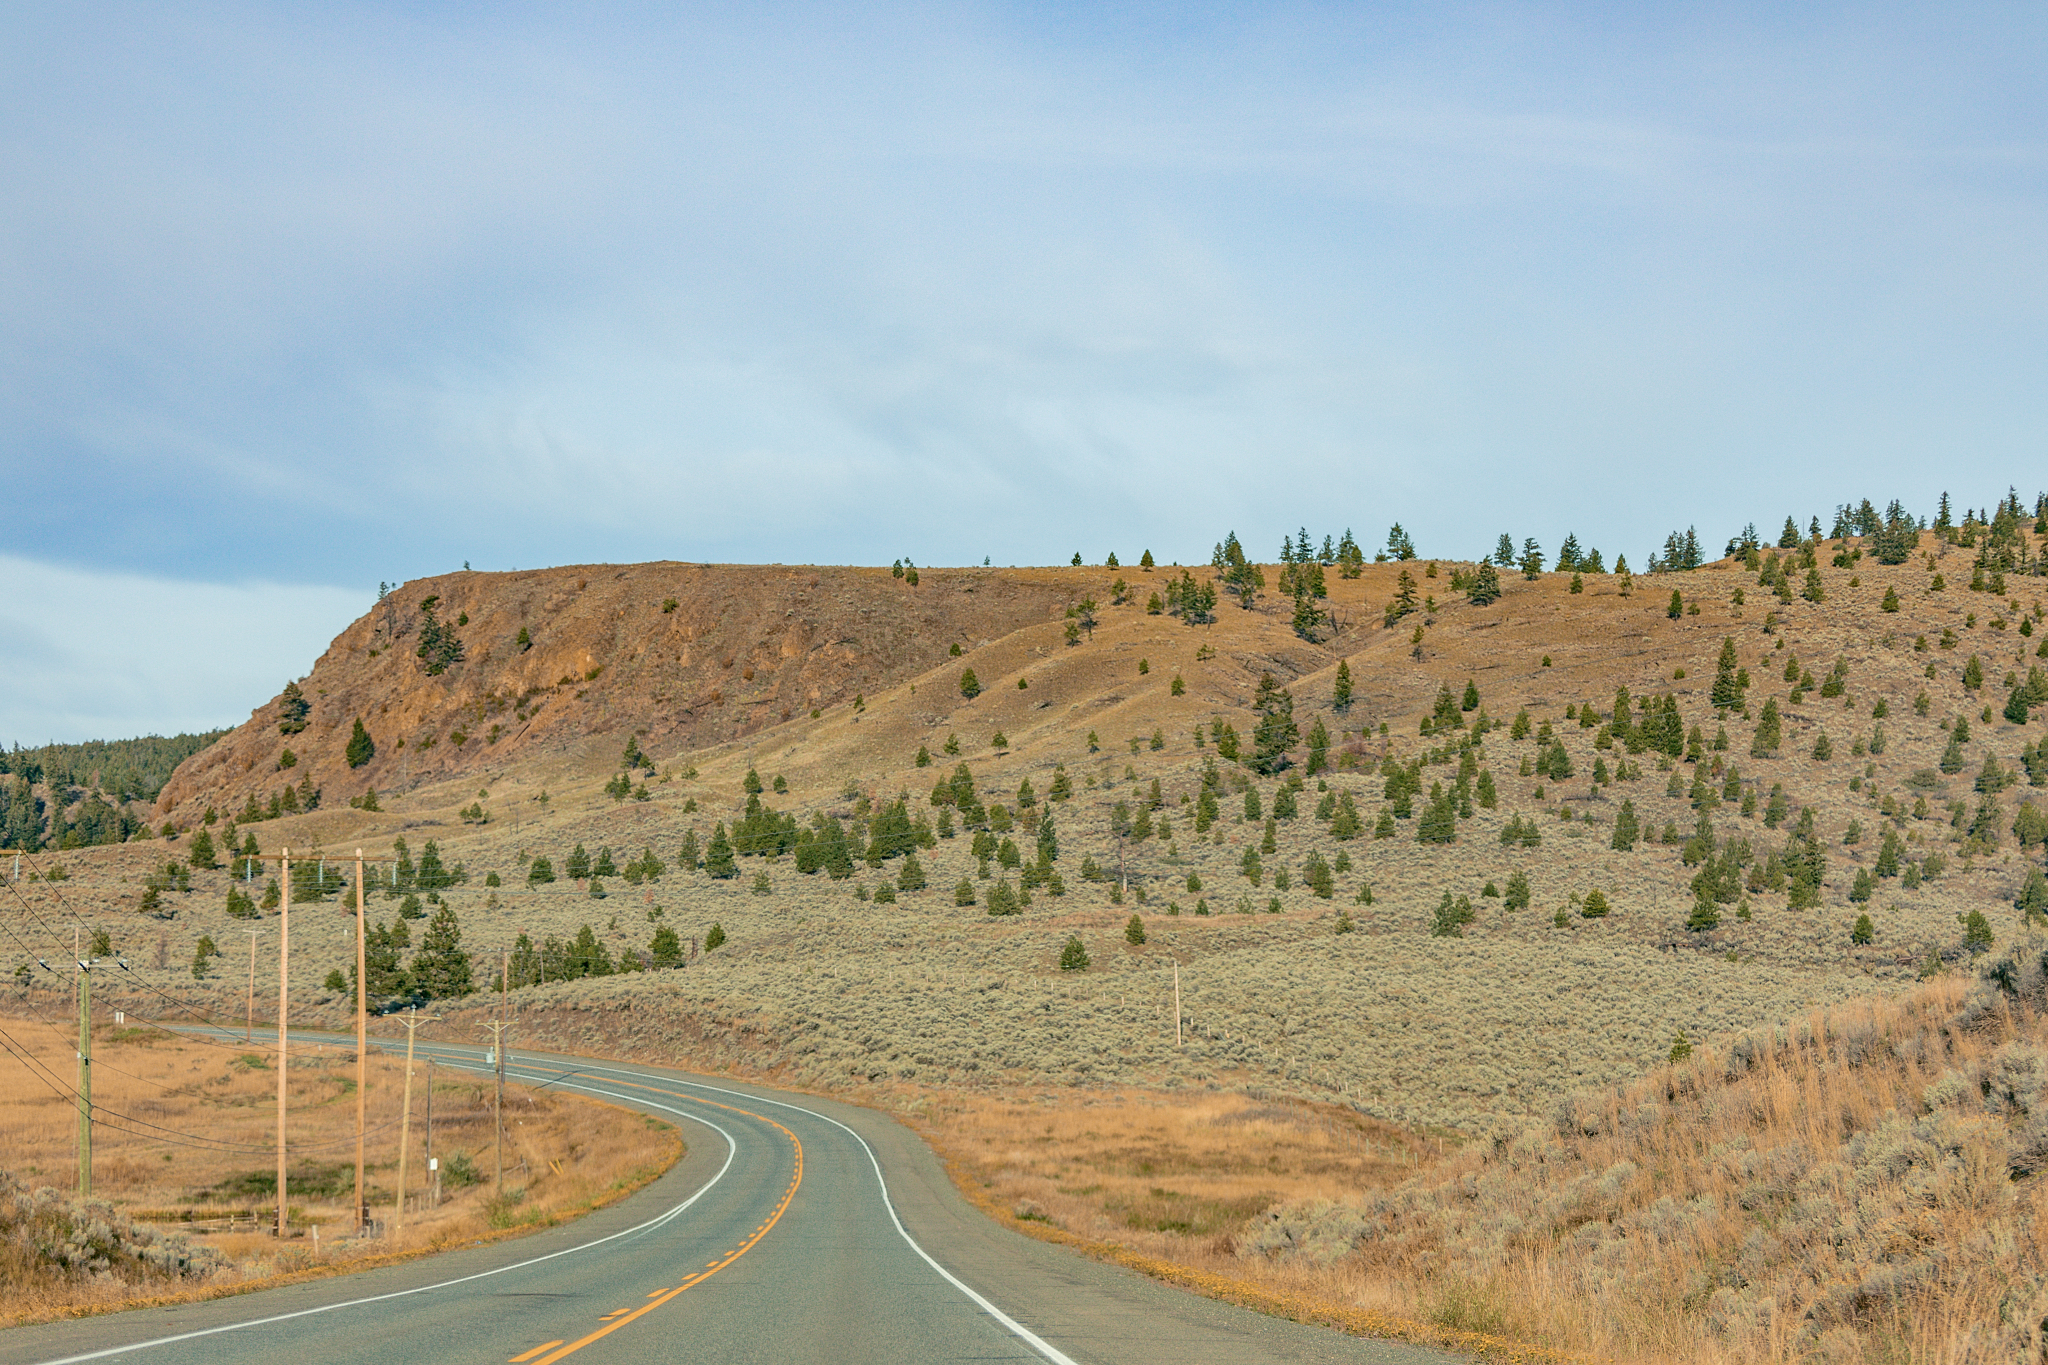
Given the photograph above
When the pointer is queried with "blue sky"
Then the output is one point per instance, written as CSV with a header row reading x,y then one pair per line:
x,y
293,301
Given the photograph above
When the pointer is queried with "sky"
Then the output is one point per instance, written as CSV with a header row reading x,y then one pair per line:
x,y
299,299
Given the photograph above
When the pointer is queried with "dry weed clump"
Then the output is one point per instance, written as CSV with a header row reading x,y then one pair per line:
x,y
59,1251
1861,1185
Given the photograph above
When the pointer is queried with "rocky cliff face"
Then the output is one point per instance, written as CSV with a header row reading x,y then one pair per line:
x,y
683,655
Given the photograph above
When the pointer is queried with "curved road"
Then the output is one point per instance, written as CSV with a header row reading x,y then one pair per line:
x,y
795,1229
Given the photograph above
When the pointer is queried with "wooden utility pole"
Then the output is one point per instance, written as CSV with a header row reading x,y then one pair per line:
x,y
412,1022
497,1028
362,1049
284,962
1176,1002
433,1168
84,1070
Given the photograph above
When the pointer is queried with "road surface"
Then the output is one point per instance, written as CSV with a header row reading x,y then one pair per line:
x,y
795,1229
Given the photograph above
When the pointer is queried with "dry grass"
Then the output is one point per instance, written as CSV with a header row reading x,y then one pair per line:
x,y
185,1147
1862,1186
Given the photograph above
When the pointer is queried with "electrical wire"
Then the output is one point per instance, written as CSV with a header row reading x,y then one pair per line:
x,y
178,1004
176,1137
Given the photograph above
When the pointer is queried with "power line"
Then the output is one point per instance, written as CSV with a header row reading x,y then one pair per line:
x,y
173,1136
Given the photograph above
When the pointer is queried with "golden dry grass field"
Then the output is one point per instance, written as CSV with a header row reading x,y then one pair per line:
x,y
184,1148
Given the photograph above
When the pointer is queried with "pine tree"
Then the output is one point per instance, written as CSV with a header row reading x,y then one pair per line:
x,y
970,686
361,748
718,856
1769,731
1677,607
1318,748
1977,933
1276,732
1340,695
1504,551
441,968
1073,955
292,710
1627,828
1727,693
714,937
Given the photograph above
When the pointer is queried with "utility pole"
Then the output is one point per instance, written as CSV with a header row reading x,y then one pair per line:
x,y
412,1022
433,1169
84,1070
1176,1002
284,962
497,1028
362,1049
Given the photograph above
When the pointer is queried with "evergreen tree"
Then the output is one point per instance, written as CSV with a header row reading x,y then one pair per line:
x,y
1399,546
1627,828
1276,732
438,646
1727,693
911,876
1504,551
201,854
1769,731
1318,748
1977,933
1145,561
1568,560
383,967
361,748
441,968
714,937
970,686
1532,559
1516,895
666,950
718,856
292,710
539,872
1073,955
1439,822
1134,932
1340,695
1677,607
1451,917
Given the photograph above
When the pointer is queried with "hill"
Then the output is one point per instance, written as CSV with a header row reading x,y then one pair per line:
x,y
1438,919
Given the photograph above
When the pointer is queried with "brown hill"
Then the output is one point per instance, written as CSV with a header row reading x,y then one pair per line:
x,y
684,655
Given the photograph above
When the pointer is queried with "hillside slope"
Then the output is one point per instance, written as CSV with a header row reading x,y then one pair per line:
x,y
685,655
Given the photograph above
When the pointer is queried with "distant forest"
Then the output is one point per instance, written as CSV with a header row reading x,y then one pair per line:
x,y
106,773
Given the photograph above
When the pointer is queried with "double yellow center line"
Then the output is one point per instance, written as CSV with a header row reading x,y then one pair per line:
x,y
549,1352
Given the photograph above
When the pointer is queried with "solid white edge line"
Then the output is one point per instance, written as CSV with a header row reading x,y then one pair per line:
x,y
731,1150
1019,1330
1025,1334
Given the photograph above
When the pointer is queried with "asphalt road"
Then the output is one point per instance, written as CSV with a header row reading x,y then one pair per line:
x,y
795,1229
